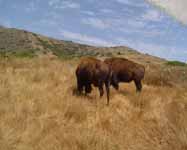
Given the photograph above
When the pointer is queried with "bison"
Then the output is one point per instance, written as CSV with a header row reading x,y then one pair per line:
x,y
125,70
93,71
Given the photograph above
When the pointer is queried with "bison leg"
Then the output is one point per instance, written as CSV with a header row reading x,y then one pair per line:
x,y
114,82
88,88
107,86
116,86
79,86
138,85
101,89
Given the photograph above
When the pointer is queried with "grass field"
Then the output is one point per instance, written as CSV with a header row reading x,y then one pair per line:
x,y
38,111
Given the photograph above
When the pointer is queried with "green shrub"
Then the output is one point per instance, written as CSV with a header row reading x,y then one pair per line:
x,y
176,63
2,54
23,54
30,53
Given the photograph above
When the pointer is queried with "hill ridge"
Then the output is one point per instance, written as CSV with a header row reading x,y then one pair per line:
x,y
22,42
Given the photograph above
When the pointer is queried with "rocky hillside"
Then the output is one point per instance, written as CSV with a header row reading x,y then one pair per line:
x,y
24,43
19,41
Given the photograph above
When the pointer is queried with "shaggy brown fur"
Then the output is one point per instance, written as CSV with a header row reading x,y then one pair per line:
x,y
93,71
125,70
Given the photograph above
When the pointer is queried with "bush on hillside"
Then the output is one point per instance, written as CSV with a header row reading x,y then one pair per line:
x,y
176,63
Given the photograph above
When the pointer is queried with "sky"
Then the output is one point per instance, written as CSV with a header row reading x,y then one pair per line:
x,y
139,24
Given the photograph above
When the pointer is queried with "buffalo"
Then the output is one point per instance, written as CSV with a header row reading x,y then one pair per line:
x,y
93,71
125,70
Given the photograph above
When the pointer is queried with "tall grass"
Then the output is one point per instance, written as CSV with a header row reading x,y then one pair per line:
x,y
38,111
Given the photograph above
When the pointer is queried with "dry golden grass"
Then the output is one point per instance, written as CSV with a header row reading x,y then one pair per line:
x,y
38,111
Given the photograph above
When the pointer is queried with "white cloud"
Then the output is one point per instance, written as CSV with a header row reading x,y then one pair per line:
x,y
144,33
49,22
132,3
124,2
114,23
67,4
152,15
53,2
137,24
163,51
129,25
176,8
87,12
54,15
85,38
31,7
96,22
63,4
105,10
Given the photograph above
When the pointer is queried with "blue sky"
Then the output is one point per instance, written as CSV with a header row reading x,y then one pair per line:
x,y
133,23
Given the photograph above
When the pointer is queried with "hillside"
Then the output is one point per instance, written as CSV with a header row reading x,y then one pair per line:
x,y
23,43
14,41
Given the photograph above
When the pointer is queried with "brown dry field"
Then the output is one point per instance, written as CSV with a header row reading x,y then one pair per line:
x,y
38,111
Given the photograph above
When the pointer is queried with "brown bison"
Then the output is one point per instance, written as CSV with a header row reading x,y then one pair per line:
x,y
125,70
93,71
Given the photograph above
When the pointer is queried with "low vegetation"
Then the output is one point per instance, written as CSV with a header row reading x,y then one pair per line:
x,y
19,53
176,63
39,110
